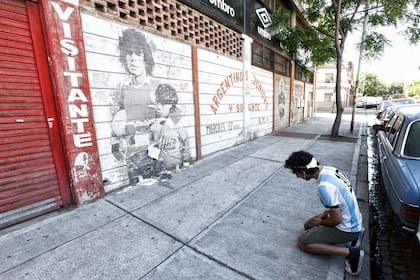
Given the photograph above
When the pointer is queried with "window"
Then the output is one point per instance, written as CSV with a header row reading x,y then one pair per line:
x,y
328,96
257,54
299,72
281,64
329,78
412,146
390,124
394,130
267,58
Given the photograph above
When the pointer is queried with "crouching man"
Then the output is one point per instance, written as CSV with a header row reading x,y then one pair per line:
x,y
341,222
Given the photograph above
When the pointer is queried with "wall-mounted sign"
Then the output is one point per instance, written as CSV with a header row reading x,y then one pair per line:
x,y
221,5
231,13
264,17
258,21
227,12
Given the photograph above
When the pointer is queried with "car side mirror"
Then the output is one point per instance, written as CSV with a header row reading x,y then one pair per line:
x,y
378,127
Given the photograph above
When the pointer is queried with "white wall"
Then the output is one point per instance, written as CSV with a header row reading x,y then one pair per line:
x,y
222,105
221,102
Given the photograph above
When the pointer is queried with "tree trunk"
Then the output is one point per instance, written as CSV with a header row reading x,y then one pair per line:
x,y
338,103
339,48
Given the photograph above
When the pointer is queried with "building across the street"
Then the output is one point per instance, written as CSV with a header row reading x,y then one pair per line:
x,y
326,76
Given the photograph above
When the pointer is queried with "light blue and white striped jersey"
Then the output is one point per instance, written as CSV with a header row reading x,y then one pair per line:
x,y
335,191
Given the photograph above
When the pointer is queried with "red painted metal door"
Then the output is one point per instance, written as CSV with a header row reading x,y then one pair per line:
x,y
33,180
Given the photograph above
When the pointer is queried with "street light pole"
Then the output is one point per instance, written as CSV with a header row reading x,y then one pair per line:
x,y
358,69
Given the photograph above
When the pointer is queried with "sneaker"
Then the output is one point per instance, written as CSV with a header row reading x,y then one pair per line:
x,y
354,265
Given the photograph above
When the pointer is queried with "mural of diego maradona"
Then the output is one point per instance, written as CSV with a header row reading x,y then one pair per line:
x,y
135,105
136,140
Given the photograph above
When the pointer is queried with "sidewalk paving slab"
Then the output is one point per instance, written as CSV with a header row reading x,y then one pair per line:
x,y
123,249
30,242
234,214
188,211
194,266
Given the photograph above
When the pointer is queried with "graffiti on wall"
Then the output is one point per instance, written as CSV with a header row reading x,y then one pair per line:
x,y
228,117
148,135
77,100
228,82
72,93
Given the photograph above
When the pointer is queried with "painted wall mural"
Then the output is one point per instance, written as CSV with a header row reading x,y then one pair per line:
x,y
309,90
282,101
222,106
142,99
299,102
142,94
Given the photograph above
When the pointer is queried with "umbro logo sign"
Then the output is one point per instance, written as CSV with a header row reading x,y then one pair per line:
x,y
264,17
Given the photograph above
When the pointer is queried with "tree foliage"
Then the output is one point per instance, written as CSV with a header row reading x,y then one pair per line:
x,y
396,88
323,39
372,86
413,89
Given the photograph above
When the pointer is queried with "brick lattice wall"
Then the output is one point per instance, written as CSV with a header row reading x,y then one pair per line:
x,y
171,19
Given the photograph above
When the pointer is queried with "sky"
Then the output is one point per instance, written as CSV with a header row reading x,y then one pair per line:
x,y
400,61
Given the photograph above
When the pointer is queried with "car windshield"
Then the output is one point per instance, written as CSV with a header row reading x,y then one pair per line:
x,y
412,145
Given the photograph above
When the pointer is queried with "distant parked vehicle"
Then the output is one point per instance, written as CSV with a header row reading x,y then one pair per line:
x,y
366,102
360,102
392,102
383,117
399,156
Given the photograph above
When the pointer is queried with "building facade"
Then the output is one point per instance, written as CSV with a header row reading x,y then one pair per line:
x,y
325,85
100,94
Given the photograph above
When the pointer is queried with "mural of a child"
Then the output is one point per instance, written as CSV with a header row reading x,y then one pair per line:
x,y
135,101
172,139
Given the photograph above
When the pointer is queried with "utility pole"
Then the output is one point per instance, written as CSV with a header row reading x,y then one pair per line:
x,y
244,88
358,69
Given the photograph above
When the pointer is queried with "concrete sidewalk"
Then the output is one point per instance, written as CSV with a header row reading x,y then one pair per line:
x,y
232,215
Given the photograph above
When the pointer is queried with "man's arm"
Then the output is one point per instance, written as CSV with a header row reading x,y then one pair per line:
x,y
330,217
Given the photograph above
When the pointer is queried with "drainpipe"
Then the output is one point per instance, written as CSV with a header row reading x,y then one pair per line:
x,y
244,45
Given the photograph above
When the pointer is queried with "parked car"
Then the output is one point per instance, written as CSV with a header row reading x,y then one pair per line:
x,y
392,102
399,156
366,102
418,232
383,117
360,102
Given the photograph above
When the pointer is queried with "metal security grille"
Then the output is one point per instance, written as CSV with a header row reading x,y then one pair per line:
x,y
28,177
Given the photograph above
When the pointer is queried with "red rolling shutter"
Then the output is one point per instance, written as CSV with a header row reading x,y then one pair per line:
x,y
29,181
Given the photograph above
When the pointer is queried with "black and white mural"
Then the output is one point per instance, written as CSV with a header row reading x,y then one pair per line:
x,y
142,95
299,102
142,98
282,101
309,90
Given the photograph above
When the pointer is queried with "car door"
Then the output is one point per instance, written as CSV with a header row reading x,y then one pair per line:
x,y
389,161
